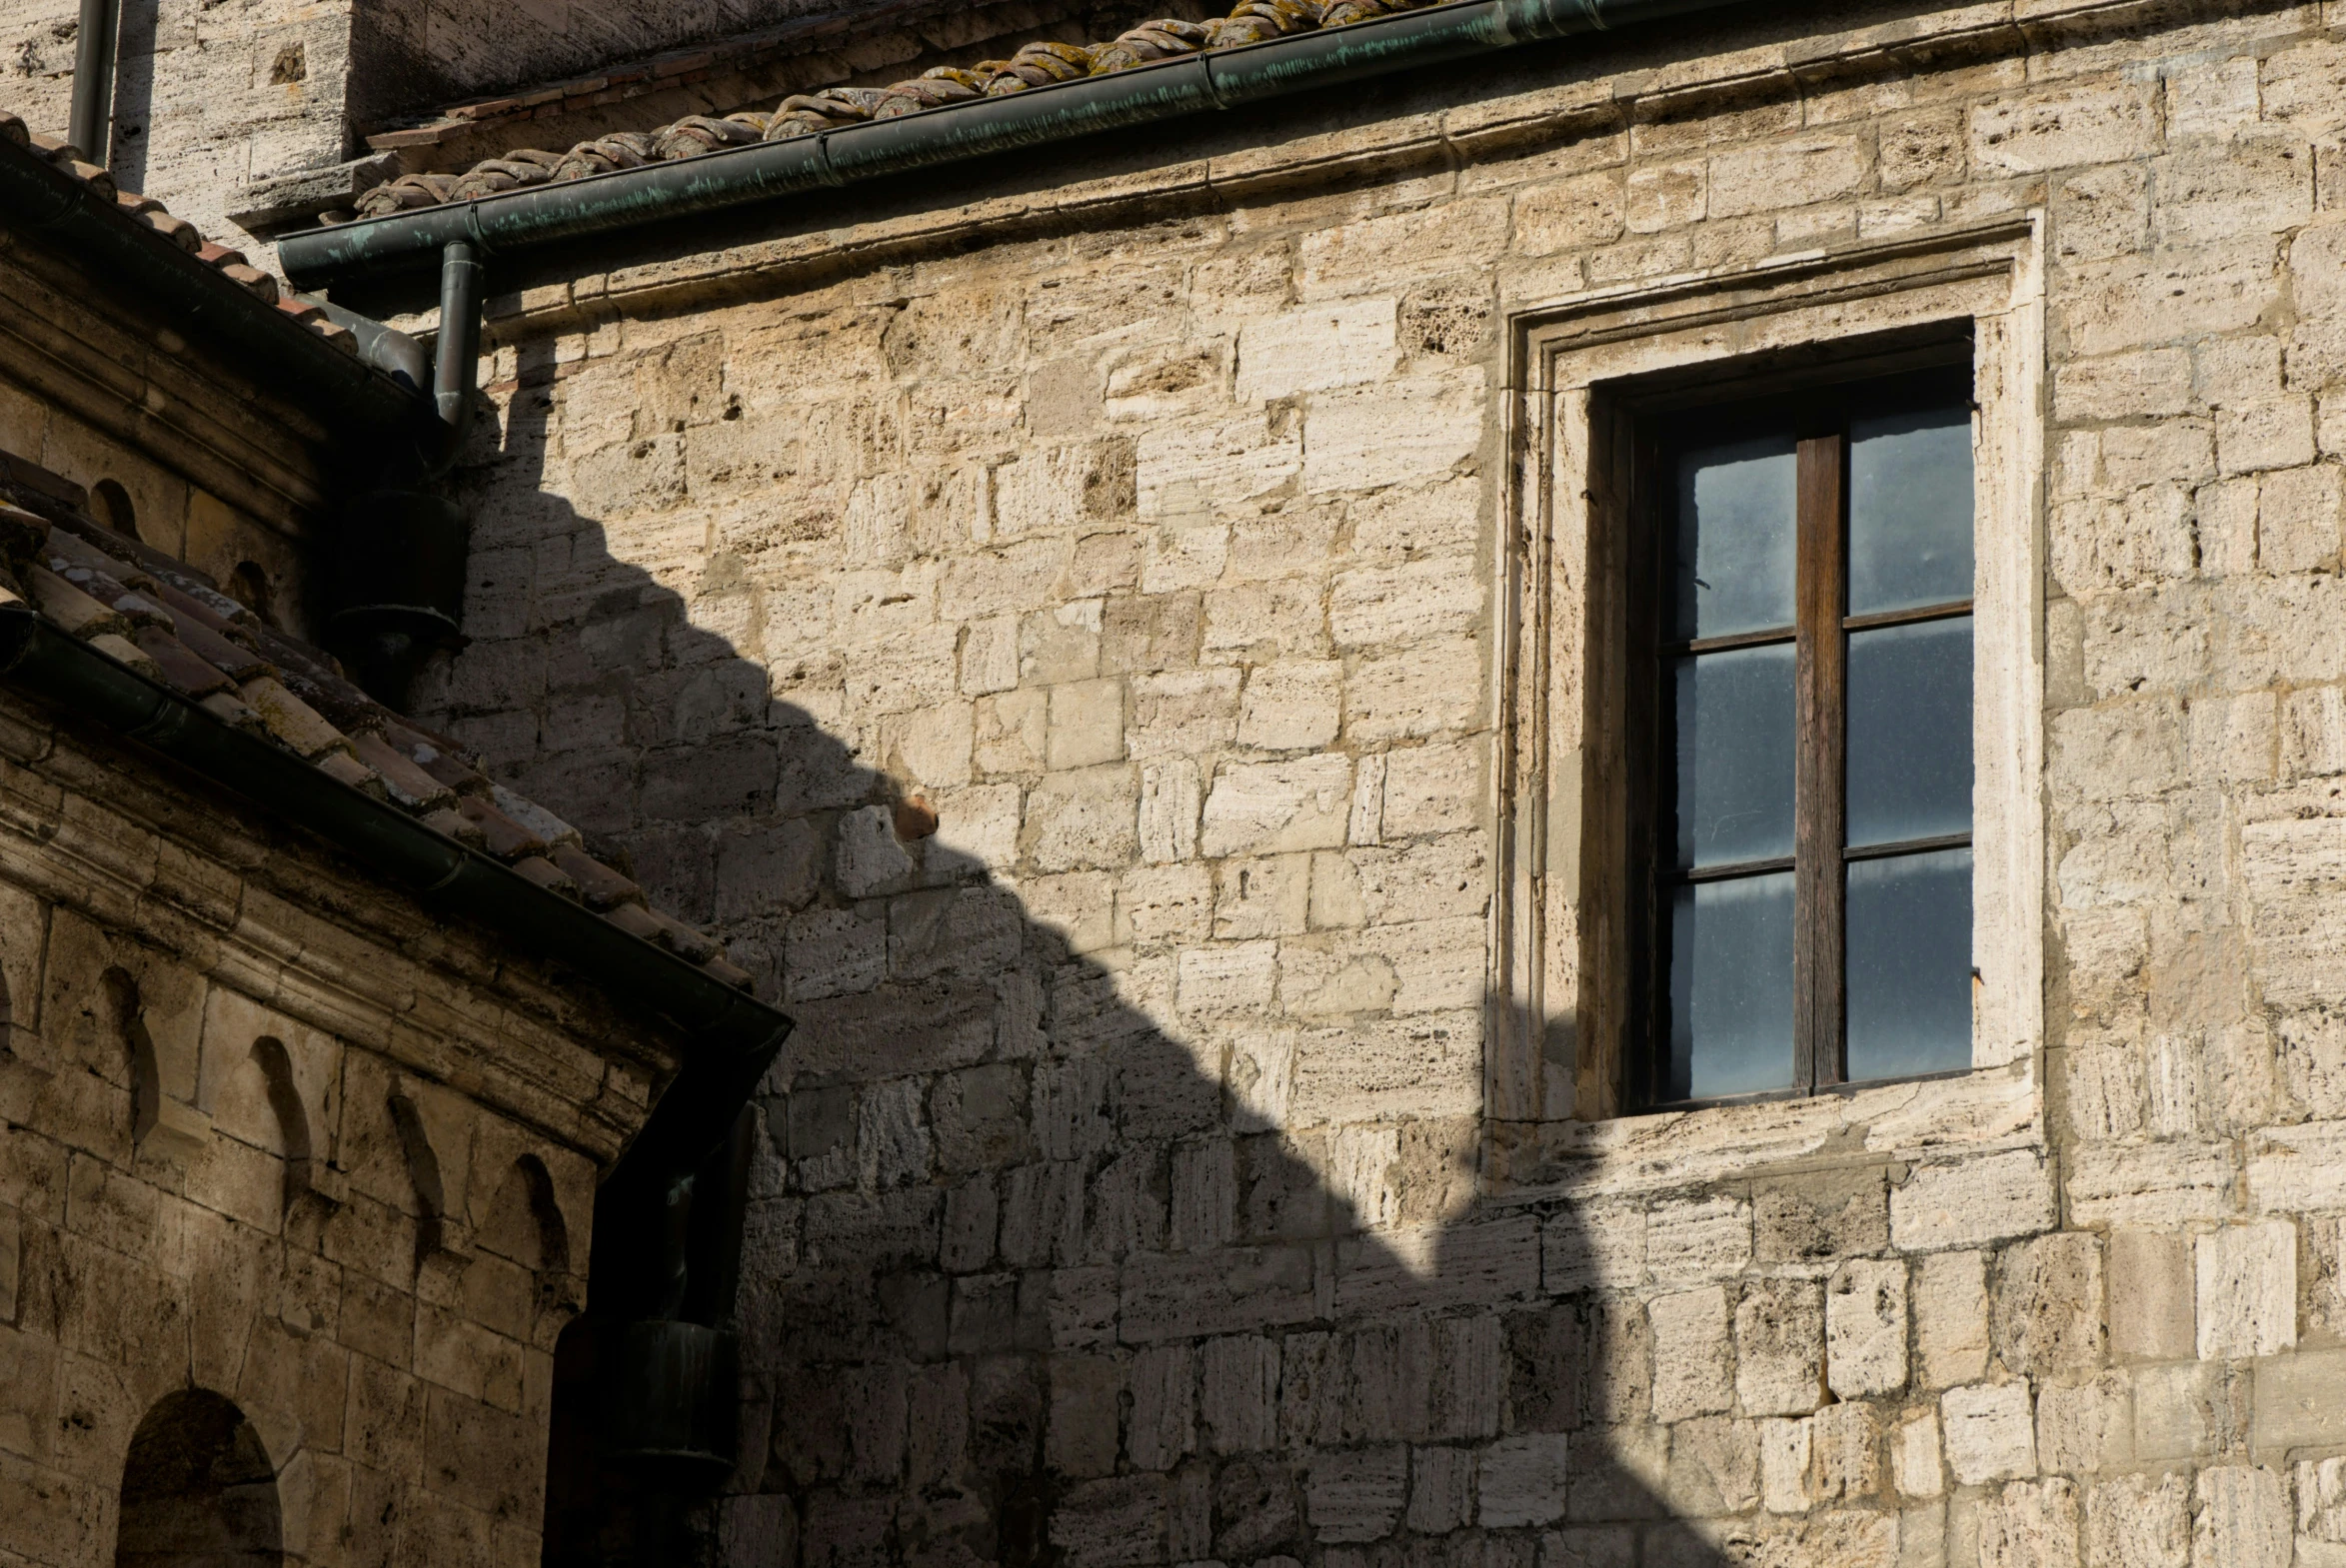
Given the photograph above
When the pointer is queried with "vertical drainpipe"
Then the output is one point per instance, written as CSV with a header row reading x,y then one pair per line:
x,y
91,128
399,565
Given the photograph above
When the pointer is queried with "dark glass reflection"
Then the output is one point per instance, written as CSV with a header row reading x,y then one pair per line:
x,y
1736,538
1910,964
1734,730
1910,510
1730,987
1909,737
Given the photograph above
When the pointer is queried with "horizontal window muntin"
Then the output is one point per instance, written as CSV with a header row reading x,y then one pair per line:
x,y
1812,757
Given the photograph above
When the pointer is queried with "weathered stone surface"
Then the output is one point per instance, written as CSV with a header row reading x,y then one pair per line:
x,y
1989,1433
1780,1348
2150,1296
1970,1202
262,1192
2247,1290
2028,1523
2139,1519
1691,1353
1180,525
1865,1329
1950,1317
2048,1305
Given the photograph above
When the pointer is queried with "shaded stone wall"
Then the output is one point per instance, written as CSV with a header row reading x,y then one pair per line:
x,y
280,1149
1128,1197
175,447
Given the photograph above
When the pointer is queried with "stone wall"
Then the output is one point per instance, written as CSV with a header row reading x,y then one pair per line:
x,y
277,1141
1128,1197
175,446
252,119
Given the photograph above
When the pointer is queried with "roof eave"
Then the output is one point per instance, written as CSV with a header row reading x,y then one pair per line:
x,y
51,207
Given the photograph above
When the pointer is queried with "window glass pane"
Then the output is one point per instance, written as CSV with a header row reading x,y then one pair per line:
x,y
1732,724
1910,964
1735,538
1730,987
1909,509
1909,736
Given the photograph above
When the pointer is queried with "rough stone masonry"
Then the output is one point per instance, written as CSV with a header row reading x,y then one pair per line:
x,y
1127,1194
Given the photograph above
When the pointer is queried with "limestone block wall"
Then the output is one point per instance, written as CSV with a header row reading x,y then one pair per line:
x,y
1131,1194
263,567
172,445
269,1140
262,112
207,99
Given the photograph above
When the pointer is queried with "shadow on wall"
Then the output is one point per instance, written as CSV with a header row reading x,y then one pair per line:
x,y
198,1489
1029,1279
137,37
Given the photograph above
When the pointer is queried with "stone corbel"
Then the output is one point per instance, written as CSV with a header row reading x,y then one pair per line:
x,y
284,199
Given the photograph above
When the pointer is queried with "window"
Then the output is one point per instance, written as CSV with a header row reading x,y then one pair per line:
x,y
1804,687
249,586
110,504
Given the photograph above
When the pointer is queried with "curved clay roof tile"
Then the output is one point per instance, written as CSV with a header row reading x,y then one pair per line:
x,y
803,114
168,622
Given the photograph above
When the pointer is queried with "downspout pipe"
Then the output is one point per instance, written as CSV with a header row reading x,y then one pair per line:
x,y
399,558
457,355
91,123
662,193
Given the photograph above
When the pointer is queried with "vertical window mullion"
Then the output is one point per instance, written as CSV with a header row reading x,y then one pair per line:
x,y
1821,665
1647,562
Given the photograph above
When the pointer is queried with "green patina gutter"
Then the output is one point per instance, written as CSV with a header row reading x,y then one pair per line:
x,y
730,1035
1163,90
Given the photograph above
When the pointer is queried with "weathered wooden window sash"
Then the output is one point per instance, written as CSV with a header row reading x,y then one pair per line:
x,y
1753,736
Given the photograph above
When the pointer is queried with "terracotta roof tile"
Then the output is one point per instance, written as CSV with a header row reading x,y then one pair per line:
x,y
73,611
1035,65
231,708
346,768
181,668
409,785
145,209
168,622
449,822
539,869
126,652
506,838
600,886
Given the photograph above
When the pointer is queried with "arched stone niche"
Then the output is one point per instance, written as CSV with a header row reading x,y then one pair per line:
x,y
198,1489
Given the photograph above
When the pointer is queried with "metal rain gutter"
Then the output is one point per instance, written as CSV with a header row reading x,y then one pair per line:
x,y
731,1035
50,206
762,171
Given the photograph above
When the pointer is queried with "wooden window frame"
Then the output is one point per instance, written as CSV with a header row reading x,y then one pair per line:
x,y
1820,634
1821,406
1564,969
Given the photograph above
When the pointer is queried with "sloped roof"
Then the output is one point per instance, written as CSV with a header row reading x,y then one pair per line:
x,y
807,114
231,264
170,622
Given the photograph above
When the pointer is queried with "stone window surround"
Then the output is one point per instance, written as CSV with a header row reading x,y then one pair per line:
x,y
1551,1111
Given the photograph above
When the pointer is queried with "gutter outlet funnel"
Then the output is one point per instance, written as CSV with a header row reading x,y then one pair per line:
x,y
399,563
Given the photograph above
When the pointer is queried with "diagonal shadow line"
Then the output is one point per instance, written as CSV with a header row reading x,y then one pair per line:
x,y
1026,1279
134,92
